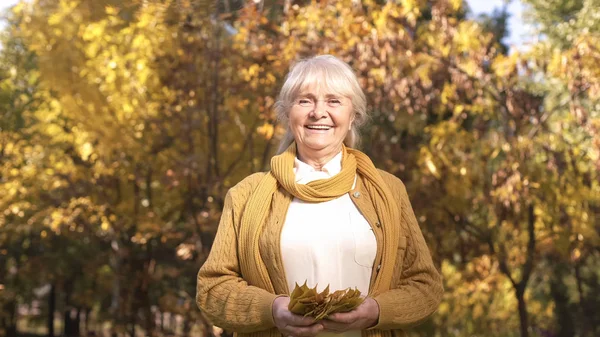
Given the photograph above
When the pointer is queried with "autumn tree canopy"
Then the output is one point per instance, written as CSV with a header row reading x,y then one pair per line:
x,y
124,123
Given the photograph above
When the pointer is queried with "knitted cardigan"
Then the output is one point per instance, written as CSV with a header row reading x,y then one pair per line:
x,y
231,301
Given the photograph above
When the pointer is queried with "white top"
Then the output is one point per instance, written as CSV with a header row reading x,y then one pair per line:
x,y
327,243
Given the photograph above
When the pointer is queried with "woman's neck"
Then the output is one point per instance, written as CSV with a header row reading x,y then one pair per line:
x,y
317,159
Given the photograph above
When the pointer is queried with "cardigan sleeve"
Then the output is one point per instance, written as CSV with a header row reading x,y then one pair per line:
x,y
417,285
222,294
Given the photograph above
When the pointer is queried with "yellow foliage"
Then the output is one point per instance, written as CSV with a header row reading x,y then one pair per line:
x,y
127,105
266,130
505,65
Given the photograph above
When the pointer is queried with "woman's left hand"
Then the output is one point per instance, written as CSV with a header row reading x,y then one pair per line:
x,y
364,316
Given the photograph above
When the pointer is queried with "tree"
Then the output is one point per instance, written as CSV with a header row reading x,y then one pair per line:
x,y
127,121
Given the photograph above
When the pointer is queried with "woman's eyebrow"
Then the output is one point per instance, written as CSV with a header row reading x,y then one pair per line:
x,y
307,95
313,96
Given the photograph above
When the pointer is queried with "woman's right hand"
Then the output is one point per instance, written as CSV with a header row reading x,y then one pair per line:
x,y
290,324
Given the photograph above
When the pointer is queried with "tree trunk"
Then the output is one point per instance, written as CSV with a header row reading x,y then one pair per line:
x,y
9,322
68,321
77,326
72,314
587,321
86,322
187,326
51,309
11,330
72,321
520,292
559,292
144,295
132,323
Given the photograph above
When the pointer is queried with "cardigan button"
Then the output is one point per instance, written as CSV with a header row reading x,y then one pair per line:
x,y
378,267
356,194
378,224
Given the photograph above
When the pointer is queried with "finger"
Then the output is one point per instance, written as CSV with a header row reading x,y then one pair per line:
x,y
343,317
304,331
299,320
335,326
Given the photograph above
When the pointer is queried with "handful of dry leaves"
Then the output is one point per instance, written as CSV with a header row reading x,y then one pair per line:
x,y
306,301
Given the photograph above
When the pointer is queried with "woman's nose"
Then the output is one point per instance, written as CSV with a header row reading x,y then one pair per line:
x,y
320,110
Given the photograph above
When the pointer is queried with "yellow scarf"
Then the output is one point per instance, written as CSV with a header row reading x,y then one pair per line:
x,y
282,175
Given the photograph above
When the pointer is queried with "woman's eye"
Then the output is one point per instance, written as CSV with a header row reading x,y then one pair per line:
x,y
303,101
334,102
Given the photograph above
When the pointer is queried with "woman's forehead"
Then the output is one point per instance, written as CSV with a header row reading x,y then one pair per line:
x,y
319,89
311,93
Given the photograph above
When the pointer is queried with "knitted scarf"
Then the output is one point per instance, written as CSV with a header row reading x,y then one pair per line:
x,y
282,175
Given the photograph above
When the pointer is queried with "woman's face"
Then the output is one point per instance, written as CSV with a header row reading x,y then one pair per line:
x,y
320,122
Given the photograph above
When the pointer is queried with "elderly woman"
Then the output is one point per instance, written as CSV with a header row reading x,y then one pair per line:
x,y
323,214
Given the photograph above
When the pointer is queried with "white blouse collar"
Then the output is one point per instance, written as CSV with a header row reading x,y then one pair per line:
x,y
331,168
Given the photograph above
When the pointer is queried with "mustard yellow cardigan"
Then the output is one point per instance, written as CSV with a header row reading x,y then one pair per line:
x,y
230,301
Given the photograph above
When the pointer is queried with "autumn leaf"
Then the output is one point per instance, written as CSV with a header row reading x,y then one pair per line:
x,y
308,302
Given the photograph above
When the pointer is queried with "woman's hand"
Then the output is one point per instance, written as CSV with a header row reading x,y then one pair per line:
x,y
364,316
290,324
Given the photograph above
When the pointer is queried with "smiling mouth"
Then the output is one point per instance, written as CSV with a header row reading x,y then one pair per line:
x,y
318,127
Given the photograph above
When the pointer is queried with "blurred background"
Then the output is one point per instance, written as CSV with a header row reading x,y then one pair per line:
x,y
124,122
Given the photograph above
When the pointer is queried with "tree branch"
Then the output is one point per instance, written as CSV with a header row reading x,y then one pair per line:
x,y
528,266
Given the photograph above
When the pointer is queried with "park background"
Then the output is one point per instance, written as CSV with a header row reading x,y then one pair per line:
x,y
123,124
